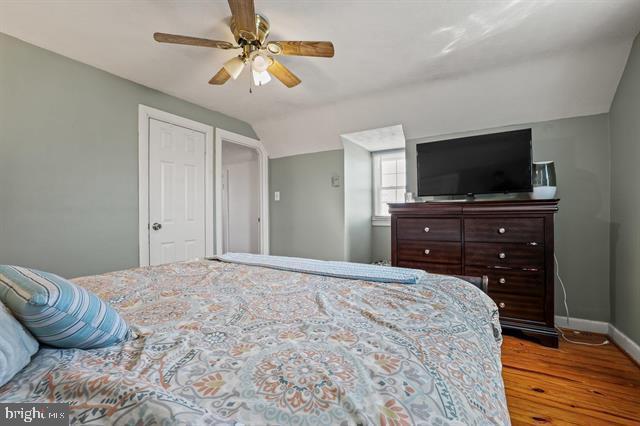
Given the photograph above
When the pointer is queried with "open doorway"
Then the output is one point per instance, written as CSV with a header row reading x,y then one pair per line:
x,y
241,172
240,199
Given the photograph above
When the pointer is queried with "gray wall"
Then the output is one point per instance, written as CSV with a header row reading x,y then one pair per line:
x,y
625,199
308,221
358,202
380,243
69,160
314,219
580,148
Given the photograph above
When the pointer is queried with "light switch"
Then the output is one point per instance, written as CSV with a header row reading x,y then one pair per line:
x,y
276,196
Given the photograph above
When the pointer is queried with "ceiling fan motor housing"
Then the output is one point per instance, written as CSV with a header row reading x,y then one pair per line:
x,y
262,27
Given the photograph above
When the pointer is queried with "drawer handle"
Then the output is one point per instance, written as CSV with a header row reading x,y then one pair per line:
x,y
502,280
530,269
502,255
501,305
427,251
532,243
501,230
426,229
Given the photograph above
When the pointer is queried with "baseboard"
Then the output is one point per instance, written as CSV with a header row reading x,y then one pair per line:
x,y
629,346
626,344
580,324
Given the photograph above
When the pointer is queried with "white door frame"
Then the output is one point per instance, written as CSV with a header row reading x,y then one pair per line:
x,y
146,113
263,162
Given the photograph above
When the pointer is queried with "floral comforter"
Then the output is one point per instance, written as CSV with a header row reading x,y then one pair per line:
x,y
224,343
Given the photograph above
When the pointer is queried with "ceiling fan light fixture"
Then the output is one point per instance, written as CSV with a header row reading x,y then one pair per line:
x,y
234,67
261,78
260,63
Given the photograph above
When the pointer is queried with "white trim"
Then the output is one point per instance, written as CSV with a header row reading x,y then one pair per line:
x,y
263,161
146,113
629,346
381,221
580,324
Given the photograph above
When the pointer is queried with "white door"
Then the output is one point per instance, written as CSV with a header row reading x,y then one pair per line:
x,y
240,199
176,193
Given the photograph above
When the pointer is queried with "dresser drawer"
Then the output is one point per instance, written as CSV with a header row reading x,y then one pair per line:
x,y
510,281
430,251
519,307
428,229
510,255
508,230
434,268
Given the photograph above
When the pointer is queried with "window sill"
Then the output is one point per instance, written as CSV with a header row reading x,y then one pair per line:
x,y
381,221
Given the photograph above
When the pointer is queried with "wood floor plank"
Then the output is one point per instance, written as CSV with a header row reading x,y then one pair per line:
x,y
552,389
572,385
524,411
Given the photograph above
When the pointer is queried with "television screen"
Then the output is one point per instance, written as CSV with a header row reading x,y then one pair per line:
x,y
484,164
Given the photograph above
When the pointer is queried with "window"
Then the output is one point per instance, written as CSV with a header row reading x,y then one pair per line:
x,y
389,183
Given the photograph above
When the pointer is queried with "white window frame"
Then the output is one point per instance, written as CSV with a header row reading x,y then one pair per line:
x,y
377,219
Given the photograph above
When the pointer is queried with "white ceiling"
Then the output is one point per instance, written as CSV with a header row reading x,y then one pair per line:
x,y
568,84
379,44
424,64
383,138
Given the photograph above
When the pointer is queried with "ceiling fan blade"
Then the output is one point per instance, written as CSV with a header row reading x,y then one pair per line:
x,y
244,16
322,49
220,78
283,74
192,41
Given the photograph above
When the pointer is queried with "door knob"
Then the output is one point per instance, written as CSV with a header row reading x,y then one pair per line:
x,y
156,226
502,255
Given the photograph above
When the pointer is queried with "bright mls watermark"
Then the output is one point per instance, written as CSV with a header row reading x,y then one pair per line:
x,y
38,414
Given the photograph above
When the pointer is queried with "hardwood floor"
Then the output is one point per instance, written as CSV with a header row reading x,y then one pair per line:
x,y
574,384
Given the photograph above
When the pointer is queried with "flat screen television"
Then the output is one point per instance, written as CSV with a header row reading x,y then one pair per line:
x,y
484,164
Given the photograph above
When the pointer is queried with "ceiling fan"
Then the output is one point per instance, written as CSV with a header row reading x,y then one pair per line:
x,y
250,31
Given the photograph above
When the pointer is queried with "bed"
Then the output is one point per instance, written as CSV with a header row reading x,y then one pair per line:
x,y
232,343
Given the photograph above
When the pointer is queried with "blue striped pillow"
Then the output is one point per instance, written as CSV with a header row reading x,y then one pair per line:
x,y
58,312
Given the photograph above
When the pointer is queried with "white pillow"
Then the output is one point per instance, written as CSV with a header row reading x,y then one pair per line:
x,y
16,346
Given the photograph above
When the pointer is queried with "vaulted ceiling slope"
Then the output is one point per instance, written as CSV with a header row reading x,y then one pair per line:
x,y
435,66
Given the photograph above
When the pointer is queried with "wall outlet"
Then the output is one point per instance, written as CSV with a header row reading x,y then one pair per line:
x,y
335,181
276,196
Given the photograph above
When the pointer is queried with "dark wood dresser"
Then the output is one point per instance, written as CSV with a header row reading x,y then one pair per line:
x,y
509,241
